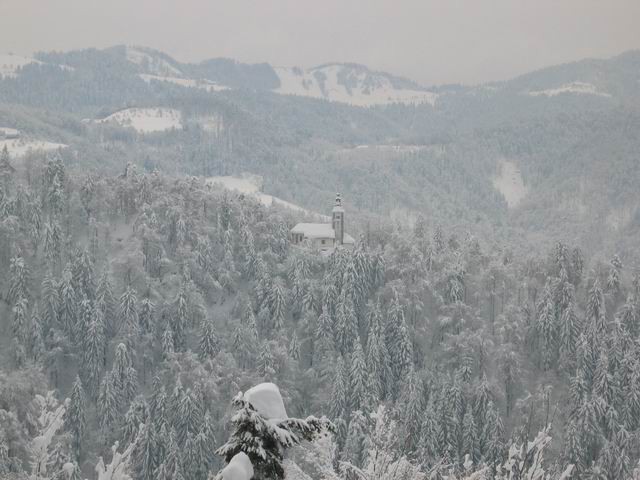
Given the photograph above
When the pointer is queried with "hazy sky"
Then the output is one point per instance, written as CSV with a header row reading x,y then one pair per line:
x,y
431,41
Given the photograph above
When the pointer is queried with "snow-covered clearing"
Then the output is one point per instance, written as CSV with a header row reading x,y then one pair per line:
x,y
207,85
146,120
251,185
151,63
295,81
19,147
509,183
10,64
581,88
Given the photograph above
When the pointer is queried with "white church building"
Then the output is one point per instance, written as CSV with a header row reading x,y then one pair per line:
x,y
324,236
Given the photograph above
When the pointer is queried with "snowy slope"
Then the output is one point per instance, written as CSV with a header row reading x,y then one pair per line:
x,y
352,84
19,147
251,185
151,63
579,88
10,64
509,183
146,120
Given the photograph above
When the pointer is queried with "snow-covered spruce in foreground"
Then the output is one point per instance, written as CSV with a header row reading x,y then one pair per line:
x,y
262,430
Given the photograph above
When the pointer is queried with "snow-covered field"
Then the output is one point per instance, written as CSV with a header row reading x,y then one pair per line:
x,y
296,81
207,85
19,147
509,182
581,88
251,185
146,120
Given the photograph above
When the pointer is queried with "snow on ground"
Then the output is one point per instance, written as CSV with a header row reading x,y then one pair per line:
x,y
266,399
9,132
207,85
146,120
239,468
251,185
509,182
19,147
151,63
10,64
295,81
573,87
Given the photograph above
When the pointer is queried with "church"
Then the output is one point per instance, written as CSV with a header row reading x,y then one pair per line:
x,y
324,236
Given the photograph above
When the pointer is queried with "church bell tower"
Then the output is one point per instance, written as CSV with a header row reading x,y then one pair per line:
x,y
337,220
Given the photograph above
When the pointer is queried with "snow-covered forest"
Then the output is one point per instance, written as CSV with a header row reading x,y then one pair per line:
x,y
222,270
135,307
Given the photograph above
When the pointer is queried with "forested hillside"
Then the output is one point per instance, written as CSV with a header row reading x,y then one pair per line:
x,y
149,301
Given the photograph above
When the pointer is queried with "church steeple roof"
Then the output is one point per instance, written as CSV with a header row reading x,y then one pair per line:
x,y
338,204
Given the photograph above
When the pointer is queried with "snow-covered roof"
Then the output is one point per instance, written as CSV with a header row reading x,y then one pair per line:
x,y
315,230
348,239
266,399
338,209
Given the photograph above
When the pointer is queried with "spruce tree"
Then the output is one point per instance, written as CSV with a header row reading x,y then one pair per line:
x,y
209,344
75,420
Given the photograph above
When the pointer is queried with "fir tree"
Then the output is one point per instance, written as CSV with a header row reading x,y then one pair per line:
x,y
75,420
209,343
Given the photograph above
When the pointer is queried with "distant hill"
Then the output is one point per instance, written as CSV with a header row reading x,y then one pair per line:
x,y
394,147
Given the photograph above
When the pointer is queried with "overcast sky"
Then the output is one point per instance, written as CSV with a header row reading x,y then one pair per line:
x,y
431,41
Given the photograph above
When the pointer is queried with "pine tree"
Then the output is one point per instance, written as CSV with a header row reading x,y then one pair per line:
x,y
68,303
277,304
265,361
359,381
294,347
339,395
180,319
75,420
128,314
146,315
144,454
106,303
209,343
356,438
108,404
411,402
470,437
93,355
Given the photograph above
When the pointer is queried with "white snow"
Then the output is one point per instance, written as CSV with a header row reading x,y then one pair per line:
x,y
296,81
266,399
9,132
251,185
19,147
315,230
509,182
573,87
50,420
151,63
239,468
146,119
10,64
203,84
